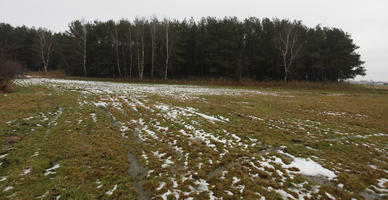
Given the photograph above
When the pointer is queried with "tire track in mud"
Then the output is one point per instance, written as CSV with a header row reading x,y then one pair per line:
x,y
136,169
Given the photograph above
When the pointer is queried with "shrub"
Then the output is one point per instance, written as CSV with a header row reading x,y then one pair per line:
x,y
9,70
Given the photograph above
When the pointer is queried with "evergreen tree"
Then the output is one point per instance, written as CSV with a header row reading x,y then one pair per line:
x,y
218,48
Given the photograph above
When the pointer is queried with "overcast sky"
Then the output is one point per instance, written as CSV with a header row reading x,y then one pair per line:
x,y
366,21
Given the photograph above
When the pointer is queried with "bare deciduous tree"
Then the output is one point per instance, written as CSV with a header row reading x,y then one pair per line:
x,y
45,43
116,43
138,52
79,31
154,22
142,51
167,51
169,44
140,29
84,33
289,45
131,44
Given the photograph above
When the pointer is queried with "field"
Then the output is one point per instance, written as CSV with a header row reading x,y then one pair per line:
x,y
74,139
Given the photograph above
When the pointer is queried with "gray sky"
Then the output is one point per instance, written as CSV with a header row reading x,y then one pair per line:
x,y
366,21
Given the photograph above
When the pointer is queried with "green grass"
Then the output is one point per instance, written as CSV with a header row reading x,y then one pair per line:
x,y
312,123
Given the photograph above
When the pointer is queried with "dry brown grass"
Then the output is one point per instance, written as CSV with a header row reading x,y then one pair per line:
x,y
50,74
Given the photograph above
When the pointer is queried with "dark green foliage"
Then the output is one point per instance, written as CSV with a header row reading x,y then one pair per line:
x,y
210,48
18,44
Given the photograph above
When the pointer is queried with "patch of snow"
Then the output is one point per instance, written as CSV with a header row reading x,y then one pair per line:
x,y
200,165
176,91
311,168
43,195
29,118
306,166
235,180
202,185
158,155
110,192
3,156
50,170
3,178
101,104
94,117
99,184
382,182
162,184
8,188
283,193
330,196
26,171
167,163
208,117
10,122
165,195
256,118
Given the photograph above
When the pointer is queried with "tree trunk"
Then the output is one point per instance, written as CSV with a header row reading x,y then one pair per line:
x,y
138,53
289,47
167,53
285,68
142,53
125,75
45,44
48,53
116,42
130,54
84,51
239,69
153,31
42,54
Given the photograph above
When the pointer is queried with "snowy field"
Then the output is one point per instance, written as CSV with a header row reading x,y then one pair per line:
x,y
194,142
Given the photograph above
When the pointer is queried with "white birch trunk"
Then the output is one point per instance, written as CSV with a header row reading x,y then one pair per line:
x,y
84,31
167,52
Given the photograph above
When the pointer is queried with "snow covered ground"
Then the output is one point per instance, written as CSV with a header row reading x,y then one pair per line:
x,y
174,91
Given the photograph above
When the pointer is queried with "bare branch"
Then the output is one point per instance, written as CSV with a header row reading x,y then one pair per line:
x,y
45,42
289,46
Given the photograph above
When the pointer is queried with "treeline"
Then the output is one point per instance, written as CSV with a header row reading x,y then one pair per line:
x,y
258,49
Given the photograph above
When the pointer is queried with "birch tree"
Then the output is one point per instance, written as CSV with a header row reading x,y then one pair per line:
x,y
83,38
154,22
79,31
289,45
140,29
142,49
131,44
116,43
45,42
168,45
